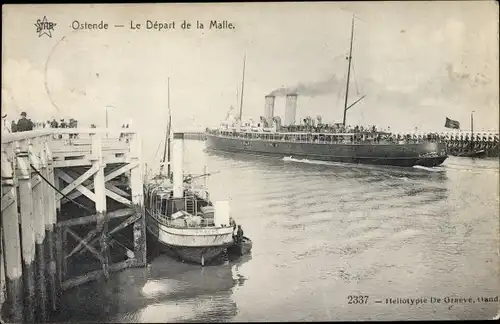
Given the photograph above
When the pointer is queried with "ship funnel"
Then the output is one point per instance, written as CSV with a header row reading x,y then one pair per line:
x,y
290,109
269,109
177,164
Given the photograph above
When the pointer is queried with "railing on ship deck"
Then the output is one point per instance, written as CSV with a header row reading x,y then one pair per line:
x,y
323,138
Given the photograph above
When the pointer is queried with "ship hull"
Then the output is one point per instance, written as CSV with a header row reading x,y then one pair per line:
x,y
403,155
195,245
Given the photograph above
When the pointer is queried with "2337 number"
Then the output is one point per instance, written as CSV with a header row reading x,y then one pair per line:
x,y
355,300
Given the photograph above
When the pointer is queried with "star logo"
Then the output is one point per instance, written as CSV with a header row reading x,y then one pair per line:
x,y
44,27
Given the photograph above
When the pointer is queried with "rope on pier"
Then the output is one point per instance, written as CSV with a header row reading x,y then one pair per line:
x,y
57,190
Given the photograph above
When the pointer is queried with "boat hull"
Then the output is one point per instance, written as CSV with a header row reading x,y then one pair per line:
x,y
404,155
195,245
473,154
240,249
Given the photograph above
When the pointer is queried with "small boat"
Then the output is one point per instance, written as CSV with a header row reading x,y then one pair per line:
x,y
187,224
240,249
471,151
478,153
180,216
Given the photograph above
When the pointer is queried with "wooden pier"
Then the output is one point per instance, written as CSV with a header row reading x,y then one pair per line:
x,y
67,195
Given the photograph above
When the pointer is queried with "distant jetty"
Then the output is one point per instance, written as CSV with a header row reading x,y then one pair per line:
x,y
200,136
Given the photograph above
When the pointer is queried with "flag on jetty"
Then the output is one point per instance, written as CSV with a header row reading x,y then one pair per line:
x,y
450,123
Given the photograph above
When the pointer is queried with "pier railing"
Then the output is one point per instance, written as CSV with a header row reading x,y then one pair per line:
x,y
73,147
46,171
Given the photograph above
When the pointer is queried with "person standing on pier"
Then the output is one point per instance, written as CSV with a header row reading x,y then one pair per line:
x,y
232,223
73,123
53,123
24,124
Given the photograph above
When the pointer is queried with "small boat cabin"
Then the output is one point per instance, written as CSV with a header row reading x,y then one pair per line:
x,y
161,203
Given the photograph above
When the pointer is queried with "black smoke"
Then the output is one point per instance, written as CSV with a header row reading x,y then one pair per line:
x,y
312,89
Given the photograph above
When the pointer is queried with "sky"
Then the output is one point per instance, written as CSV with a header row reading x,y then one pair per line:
x,y
416,63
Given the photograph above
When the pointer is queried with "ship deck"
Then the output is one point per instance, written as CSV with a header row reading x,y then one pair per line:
x,y
364,138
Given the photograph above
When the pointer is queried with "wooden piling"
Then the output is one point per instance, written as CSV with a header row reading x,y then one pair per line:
x,y
27,231
2,271
13,263
39,229
100,200
59,184
136,176
60,275
50,218
11,244
5,177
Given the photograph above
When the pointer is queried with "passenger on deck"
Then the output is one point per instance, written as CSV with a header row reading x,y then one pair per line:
x,y
233,224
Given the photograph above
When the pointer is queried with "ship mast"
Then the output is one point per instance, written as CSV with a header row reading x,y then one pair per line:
x,y
166,150
348,72
242,88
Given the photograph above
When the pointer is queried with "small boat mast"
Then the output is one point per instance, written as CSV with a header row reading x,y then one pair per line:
x,y
166,151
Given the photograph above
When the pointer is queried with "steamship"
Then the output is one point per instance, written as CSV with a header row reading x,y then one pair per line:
x,y
317,141
180,215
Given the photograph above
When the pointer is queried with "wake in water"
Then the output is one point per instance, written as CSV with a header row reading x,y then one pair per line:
x,y
434,169
489,167
291,159
350,165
